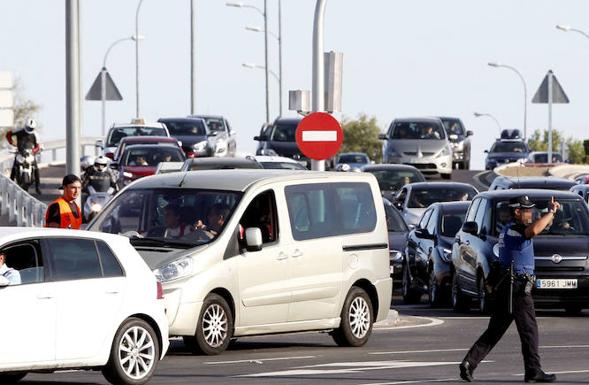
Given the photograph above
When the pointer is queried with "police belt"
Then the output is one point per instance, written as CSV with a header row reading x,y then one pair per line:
x,y
524,277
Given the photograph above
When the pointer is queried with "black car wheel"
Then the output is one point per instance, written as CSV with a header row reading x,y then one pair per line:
x,y
410,295
460,302
434,290
573,309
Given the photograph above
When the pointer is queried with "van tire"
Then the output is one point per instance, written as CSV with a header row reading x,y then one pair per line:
x,y
356,319
11,377
136,330
217,312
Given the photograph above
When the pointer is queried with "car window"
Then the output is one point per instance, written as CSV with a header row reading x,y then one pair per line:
x,y
432,223
282,166
393,180
450,223
395,222
119,133
424,219
261,213
416,130
483,216
151,156
187,128
313,209
472,210
109,262
453,126
74,259
401,197
509,147
423,197
26,260
284,132
215,124
353,158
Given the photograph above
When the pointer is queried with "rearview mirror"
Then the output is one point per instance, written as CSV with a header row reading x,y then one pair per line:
x,y
253,239
4,281
469,133
470,228
382,137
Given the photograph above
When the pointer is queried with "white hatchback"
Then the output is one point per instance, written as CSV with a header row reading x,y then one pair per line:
x,y
78,300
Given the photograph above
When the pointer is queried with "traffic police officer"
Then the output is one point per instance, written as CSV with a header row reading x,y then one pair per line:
x,y
514,300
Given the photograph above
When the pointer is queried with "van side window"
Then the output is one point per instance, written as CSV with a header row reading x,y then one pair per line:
x,y
317,210
26,261
261,213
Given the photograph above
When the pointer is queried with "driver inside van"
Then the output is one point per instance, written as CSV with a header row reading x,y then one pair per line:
x,y
215,220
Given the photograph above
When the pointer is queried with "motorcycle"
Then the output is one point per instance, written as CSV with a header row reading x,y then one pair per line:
x,y
25,168
95,202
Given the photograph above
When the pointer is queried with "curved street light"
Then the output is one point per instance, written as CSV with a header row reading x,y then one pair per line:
x,y
500,65
257,66
568,28
479,114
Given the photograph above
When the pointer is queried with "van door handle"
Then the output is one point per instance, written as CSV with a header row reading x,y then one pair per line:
x,y
45,296
112,291
297,253
282,256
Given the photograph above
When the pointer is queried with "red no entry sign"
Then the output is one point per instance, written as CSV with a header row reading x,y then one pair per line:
x,y
319,136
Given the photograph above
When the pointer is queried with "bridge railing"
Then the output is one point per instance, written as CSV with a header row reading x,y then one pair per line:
x,y
21,208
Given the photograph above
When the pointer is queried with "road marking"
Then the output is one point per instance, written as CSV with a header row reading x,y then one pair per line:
x,y
432,322
411,381
259,361
565,347
419,351
562,372
320,136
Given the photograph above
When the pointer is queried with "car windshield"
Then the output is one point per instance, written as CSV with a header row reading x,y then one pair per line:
x,y
395,222
284,132
151,156
353,158
508,147
393,180
423,197
190,216
282,166
450,223
417,130
188,128
571,219
215,124
453,126
120,132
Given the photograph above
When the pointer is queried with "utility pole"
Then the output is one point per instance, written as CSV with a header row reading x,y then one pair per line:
x,y
280,54
72,70
266,60
192,57
318,69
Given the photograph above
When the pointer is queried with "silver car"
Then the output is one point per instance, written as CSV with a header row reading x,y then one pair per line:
x,y
422,143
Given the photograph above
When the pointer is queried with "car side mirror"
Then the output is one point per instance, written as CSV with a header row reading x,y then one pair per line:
x,y
253,239
114,165
486,151
232,133
469,133
4,281
470,228
100,143
212,133
260,138
382,137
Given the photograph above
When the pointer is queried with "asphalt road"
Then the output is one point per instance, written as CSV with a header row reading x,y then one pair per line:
x,y
425,347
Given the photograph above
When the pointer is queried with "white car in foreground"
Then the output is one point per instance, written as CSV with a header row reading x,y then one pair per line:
x,y
84,301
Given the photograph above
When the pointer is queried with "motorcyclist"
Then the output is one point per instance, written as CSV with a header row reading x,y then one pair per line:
x,y
26,139
99,176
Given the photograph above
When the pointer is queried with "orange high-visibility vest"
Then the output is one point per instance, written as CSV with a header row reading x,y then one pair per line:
x,y
67,218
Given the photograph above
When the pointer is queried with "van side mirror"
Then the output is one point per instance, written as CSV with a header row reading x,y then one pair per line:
x,y
253,239
382,137
469,133
4,281
470,228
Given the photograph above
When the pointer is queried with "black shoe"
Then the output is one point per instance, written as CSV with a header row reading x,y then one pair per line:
x,y
539,376
466,371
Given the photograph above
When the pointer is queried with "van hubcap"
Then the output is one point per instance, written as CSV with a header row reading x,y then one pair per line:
x,y
136,353
214,325
359,317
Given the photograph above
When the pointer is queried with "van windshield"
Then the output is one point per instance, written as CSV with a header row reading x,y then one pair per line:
x,y
188,217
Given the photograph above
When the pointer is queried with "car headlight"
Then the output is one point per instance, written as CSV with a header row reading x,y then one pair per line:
x,y
200,146
268,152
496,250
395,256
445,152
175,270
446,254
220,147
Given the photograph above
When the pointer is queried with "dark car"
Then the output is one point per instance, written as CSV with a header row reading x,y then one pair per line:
x,y
460,141
397,237
279,139
561,259
219,164
392,177
532,182
140,160
582,190
505,151
427,267
133,140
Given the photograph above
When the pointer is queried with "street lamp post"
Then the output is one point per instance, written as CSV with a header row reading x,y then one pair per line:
x,y
566,28
264,14
254,66
103,77
499,65
318,69
137,59
479,114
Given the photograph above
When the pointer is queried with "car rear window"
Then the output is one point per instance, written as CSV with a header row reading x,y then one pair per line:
x,y
424,197
190,128
121,132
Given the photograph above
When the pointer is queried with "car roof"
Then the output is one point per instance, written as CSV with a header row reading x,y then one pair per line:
x,y
376,167
206,116
425,120
151,145
143,125
352,153
240,179
453,206
448,118
287,120
531,193
228,160
536,180
181,119
438,185
26,232
272,159
145,139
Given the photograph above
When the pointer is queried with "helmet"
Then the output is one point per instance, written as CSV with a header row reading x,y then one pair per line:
x,y
30,125
86,161
343,167
101,161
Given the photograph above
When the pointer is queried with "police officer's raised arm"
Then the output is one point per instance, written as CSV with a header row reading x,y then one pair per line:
x,y
539,225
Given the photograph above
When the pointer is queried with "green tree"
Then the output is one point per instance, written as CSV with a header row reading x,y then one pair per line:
x,y
575,148
576,151
361,135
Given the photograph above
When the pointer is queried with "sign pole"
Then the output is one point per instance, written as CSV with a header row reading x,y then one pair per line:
x,y
550,78
318,70
103,97
72,70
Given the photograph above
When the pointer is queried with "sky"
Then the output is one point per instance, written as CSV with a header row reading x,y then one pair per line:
x,y
401,59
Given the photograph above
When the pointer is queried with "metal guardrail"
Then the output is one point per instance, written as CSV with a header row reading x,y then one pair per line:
x,y
22,208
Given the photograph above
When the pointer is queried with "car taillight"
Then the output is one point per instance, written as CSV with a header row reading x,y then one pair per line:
x,y
160,290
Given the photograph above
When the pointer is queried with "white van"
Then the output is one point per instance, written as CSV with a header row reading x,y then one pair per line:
x,y
251,252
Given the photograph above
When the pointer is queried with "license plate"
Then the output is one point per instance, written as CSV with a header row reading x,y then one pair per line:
x,y
556,284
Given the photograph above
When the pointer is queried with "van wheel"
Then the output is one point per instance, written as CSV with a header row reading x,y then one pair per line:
x,y
410,295
356,320
11,377
214,329
460,302
134,354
